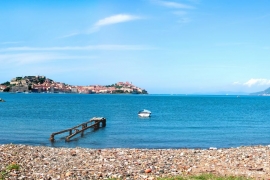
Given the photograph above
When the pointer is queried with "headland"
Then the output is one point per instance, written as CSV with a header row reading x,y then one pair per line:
x,y
41,84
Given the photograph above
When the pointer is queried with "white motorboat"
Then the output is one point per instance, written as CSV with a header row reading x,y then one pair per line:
x,y
144,113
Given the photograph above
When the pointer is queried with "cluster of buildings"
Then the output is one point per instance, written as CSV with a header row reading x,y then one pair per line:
x,y
2,88
41,84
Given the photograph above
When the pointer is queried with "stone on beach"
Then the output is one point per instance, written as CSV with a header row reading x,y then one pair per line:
x,y
39,162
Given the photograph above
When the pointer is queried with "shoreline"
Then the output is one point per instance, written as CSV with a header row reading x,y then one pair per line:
x,y
42,162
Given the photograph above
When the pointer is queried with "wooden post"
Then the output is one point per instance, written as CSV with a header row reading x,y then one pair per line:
x,y
103,122
52,138
83,127
96,126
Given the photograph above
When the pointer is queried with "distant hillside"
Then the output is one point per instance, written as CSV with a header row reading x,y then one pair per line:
x,y
266,92
41,84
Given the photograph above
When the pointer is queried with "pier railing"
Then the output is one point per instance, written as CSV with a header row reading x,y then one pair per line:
x,y
95,123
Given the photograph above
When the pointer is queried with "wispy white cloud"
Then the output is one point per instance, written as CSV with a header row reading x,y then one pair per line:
x,y
230,44
254,82
119,18
36,58
80,48
257,82
10,42
237,83
114,19
180,13
179,9
69,35
171,4
25,58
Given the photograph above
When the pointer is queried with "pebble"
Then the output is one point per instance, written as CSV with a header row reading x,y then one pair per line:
x,y
40,162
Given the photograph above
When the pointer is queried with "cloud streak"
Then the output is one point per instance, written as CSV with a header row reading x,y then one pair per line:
x,y
37,58
111,47
25,58
257,82
114,19
69,35
254,82
175,5
10,42
119,18
179,9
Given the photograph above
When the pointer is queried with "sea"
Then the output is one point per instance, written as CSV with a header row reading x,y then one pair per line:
x,y
177,121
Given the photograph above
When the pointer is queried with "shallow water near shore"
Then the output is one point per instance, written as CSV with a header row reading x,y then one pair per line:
x,y
176,122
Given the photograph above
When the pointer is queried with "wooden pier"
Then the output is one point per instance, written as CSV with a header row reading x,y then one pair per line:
x,y
95,123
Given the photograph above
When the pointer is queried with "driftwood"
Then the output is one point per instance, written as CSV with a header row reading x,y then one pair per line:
x,y
255,169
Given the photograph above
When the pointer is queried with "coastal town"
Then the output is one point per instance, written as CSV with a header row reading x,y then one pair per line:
x,y
41,84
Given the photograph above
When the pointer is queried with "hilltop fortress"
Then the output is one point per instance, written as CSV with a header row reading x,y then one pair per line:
x,y
41,84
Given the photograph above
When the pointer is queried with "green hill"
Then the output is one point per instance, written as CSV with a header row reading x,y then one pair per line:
x,y
262,93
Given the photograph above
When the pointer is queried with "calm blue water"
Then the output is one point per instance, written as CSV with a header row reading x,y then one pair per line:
x,y
176,122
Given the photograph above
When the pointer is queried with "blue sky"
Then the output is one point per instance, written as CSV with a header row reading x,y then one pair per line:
x,y
164,46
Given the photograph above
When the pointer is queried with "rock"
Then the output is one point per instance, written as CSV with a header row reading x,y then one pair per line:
x,y
161,171
142,171
73,153
140,164
68,174
148,170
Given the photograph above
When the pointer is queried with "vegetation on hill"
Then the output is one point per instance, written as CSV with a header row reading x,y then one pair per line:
x,y
265,92
6,83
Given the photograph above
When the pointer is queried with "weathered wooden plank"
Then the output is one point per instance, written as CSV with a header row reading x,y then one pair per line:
x,y
92,123
80,131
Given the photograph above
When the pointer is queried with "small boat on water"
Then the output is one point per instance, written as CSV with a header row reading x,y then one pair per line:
x,y
2,100
144,113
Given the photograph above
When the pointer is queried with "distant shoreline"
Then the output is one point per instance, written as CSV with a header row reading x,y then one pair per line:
x,y
41,84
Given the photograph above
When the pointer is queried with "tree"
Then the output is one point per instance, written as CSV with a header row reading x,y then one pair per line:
x,y
118,91
41,80
6,83
118,87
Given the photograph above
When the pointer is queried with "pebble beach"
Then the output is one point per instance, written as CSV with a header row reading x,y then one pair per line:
x,y
38,162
